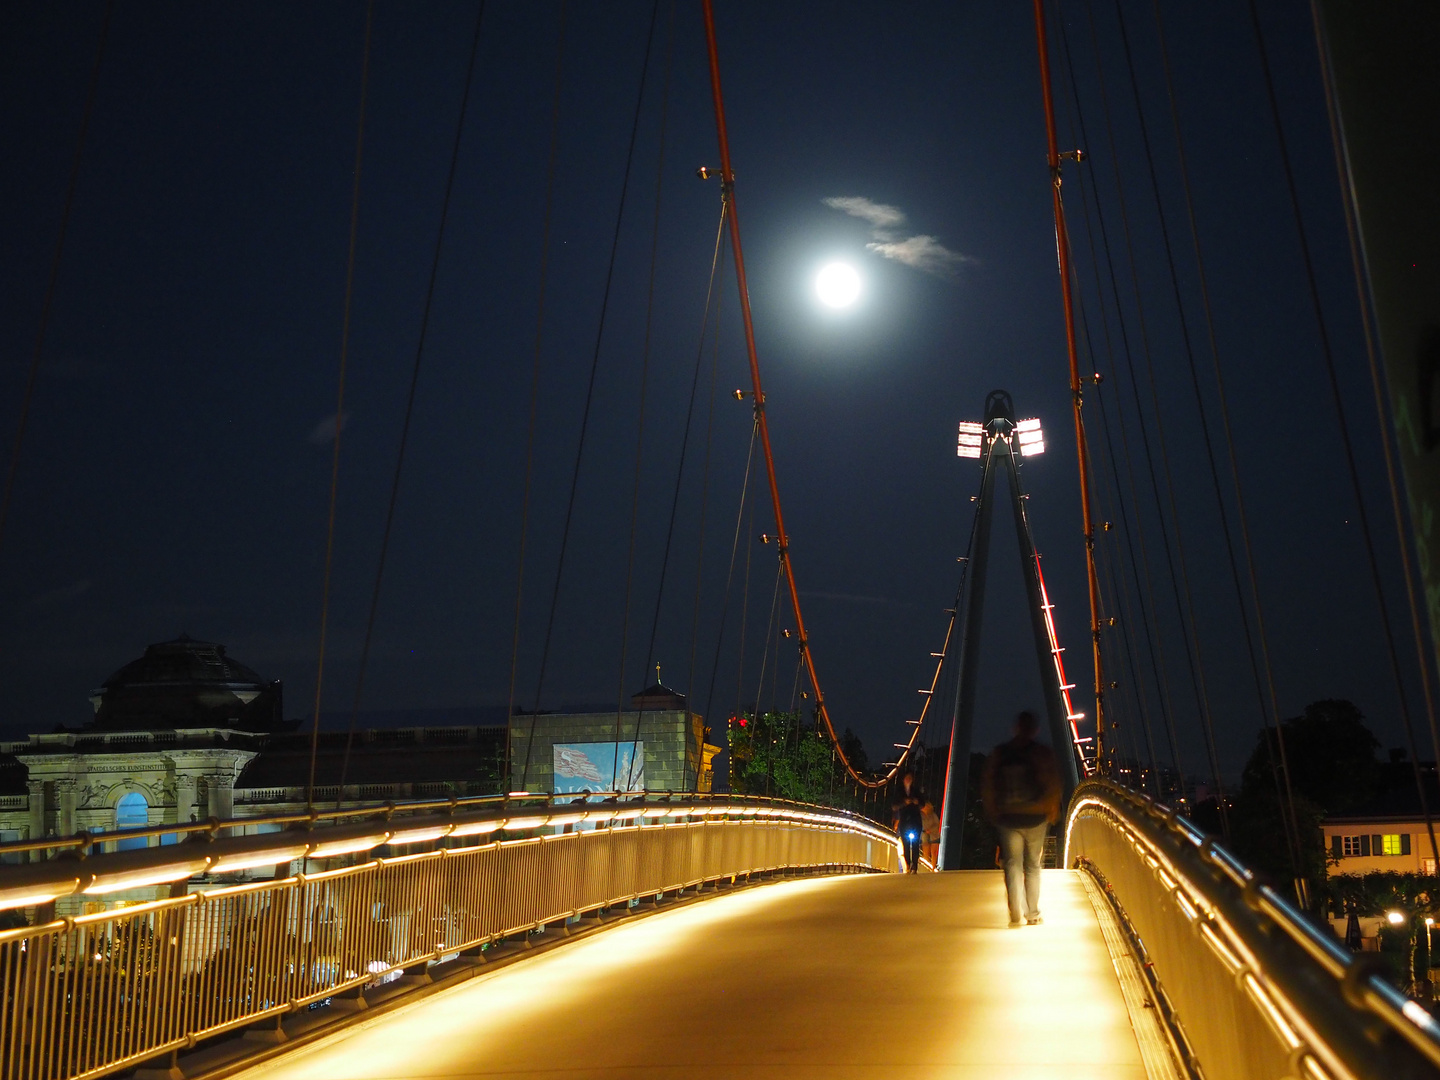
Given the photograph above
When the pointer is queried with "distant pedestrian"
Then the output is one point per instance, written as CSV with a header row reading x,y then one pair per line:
x,y
909,818
930,839
1021,795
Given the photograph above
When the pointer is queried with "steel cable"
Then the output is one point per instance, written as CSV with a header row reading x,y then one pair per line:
x,y
534,403
1377,384
1332,377
1110,453
410,397
590,387
1087,192
705,482
730,574
340,404
644,386
1155,642
727,179
1195,655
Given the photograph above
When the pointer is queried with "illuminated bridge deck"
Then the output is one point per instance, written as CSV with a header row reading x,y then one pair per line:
x,y
863,976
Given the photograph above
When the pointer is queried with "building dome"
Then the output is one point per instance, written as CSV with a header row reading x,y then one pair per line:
x,y
187,684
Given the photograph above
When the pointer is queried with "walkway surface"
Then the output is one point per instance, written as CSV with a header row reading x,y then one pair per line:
x,y
872,976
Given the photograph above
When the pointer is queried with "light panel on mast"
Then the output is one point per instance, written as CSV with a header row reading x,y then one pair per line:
x,y
971,439
1030,437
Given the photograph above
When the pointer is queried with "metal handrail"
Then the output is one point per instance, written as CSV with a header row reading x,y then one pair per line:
x,y
1270,993
206,851
93,994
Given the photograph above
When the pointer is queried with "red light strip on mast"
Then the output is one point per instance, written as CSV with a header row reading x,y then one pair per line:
x,y
1071,715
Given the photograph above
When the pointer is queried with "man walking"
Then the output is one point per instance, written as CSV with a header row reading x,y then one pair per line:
x,y
1021,795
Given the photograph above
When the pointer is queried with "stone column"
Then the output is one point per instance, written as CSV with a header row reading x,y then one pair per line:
x,y
184,798
221,787
65,795
37,815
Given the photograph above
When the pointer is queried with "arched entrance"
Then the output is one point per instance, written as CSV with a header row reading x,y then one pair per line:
x,y
131,812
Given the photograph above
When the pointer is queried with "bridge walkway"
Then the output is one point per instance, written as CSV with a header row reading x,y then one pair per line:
x,y
839,977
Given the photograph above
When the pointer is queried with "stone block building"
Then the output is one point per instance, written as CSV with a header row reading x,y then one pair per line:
x,y
656,745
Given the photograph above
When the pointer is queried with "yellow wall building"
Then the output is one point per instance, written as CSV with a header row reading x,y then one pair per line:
x,y
1363,845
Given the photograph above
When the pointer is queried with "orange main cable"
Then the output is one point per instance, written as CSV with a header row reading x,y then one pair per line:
x,y
727,179
1062,251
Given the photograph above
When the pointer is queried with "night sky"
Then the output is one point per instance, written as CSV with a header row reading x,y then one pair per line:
x,y
176,470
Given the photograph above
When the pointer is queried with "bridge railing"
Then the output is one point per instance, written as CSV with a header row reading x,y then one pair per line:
x,y
1248,985
93,994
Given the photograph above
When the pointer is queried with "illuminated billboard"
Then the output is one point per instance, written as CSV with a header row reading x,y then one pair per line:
x,y
599,766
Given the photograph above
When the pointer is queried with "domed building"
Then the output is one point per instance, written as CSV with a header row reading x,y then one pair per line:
x,y
184,733
187,684
172,732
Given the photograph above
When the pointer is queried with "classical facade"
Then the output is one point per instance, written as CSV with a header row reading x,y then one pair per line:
x,y
184,733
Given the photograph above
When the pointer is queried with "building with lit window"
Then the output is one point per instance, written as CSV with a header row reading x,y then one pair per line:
x,y
1364,845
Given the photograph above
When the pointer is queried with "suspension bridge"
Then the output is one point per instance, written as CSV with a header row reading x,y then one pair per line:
x,y
658,933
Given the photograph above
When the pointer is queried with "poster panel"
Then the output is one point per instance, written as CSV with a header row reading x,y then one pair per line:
x,y
599,766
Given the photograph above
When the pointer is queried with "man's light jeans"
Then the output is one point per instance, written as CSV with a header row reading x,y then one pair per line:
x,y
1022,850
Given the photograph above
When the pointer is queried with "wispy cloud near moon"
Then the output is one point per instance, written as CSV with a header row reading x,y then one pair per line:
x,y
920,252
879,215
923,253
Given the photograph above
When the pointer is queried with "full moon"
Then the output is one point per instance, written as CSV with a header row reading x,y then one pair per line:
x,y
837,285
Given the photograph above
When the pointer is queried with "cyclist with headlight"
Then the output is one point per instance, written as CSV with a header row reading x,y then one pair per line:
x,y
909,818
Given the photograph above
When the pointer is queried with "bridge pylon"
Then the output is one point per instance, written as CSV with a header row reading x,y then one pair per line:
x,y
1000,443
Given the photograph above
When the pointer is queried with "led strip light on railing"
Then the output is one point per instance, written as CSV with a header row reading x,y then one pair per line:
x,y
1301,1039
1214,930
98,875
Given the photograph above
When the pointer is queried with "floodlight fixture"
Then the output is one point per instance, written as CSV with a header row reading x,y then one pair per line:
x,y
972,437
1026,437
1395,918
1030,437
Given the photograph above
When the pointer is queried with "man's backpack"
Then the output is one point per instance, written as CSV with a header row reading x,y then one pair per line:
x,y
1019,788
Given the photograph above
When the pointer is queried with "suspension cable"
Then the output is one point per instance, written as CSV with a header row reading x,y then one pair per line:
x,y
1155,642
1087,193
1333,379
730,574
410,397
1062,252
705,485
534,406
640,422
340,404
590,388
727,179
1187,608
1377,385
769,629
1121,597
744,611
